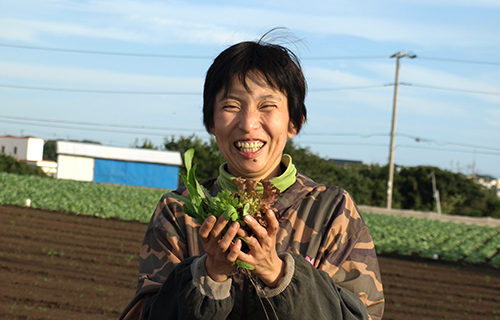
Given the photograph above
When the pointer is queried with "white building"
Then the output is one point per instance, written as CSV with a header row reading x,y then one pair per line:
x,y
117,165
22,148
29,150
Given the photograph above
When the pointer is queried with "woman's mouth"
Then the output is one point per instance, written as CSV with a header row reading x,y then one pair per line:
x,y
249,146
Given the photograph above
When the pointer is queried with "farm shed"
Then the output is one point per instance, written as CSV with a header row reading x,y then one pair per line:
x,y
127,166
22,148
29,150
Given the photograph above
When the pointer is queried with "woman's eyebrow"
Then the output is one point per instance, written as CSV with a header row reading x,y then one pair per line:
x,y
263,97
271,96
227,97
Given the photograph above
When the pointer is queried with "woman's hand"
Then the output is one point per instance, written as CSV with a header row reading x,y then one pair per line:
x,y
221,251
262,255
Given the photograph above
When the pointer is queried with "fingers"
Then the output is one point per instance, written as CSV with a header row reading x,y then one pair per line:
x,y
227,240
260,232
273,224
212,230
219,227
212,227
234,251
206,227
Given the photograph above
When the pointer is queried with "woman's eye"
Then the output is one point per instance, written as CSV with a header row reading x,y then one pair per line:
x,y
229,107
268,106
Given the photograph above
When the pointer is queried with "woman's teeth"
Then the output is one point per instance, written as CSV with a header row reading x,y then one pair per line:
x,y
245,146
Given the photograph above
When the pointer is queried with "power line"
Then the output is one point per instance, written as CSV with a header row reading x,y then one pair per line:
x,y
183,56
187,93
95,124
345,58
397,146
68,124
170,56
452,150
459,60
41,88
458,144
337,143
76,126
344,134
449,89
100,91
352,88
110,53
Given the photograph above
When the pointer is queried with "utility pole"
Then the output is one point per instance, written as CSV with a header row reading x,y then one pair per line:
x,y
398,56
435,192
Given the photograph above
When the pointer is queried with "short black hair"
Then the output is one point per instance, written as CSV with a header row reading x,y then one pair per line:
x,y
279,66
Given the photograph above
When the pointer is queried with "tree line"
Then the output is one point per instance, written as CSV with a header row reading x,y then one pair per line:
x,y
10,164
367,183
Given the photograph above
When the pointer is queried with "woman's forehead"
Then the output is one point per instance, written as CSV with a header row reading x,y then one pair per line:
x,y
244,82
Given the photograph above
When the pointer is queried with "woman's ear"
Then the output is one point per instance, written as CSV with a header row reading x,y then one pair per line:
x,y
292,130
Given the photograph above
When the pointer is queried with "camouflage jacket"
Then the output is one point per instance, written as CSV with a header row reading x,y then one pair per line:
x,y
321,229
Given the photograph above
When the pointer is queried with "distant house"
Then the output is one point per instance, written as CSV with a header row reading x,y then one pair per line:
x,y
127,166
29,150
488,182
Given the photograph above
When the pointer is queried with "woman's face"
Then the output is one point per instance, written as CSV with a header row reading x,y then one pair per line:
x,y
251,128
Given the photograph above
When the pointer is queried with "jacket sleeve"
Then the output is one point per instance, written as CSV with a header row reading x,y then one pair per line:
x,y
304,293
170,238
307,293
350,257
189,293
325,227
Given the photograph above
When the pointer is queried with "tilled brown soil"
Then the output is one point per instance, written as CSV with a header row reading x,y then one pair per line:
x,y
63,266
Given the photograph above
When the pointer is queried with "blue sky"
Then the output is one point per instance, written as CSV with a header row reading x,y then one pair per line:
x,y
116,71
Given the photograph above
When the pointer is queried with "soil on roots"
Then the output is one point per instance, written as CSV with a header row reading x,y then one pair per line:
x,y
63,266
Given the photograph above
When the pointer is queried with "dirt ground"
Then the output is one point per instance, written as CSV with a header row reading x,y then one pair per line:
x,y
63,267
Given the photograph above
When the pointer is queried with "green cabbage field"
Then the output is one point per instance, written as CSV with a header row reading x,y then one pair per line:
x,y
96,199
425,238
434,239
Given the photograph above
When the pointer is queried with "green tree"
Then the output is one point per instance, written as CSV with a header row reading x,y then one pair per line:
x,y
458,194
351,177
375,179
366,183
146,144
416,185
49,150
207,155
311,164
10,164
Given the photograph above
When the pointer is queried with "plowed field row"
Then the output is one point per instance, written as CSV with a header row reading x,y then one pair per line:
x,y
62,267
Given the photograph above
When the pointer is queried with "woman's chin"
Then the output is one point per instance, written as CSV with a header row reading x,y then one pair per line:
x,y
255,170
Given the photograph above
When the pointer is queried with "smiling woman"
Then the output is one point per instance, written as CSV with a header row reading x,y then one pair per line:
x,y
251,126
318,259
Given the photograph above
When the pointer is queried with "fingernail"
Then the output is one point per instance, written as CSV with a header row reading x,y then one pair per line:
x,y
248,218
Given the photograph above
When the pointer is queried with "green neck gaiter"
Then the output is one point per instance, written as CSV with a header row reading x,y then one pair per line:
x,y
282,182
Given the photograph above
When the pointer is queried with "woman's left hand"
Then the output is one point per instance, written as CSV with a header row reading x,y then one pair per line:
x,y
262,255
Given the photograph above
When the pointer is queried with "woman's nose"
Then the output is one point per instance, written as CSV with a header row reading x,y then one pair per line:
x,y
249,121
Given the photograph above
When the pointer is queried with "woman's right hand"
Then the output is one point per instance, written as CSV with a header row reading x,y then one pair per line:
x,y
221,251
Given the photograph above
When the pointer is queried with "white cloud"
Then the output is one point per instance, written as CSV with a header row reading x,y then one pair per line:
x,y
66,77
198,22
32,31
